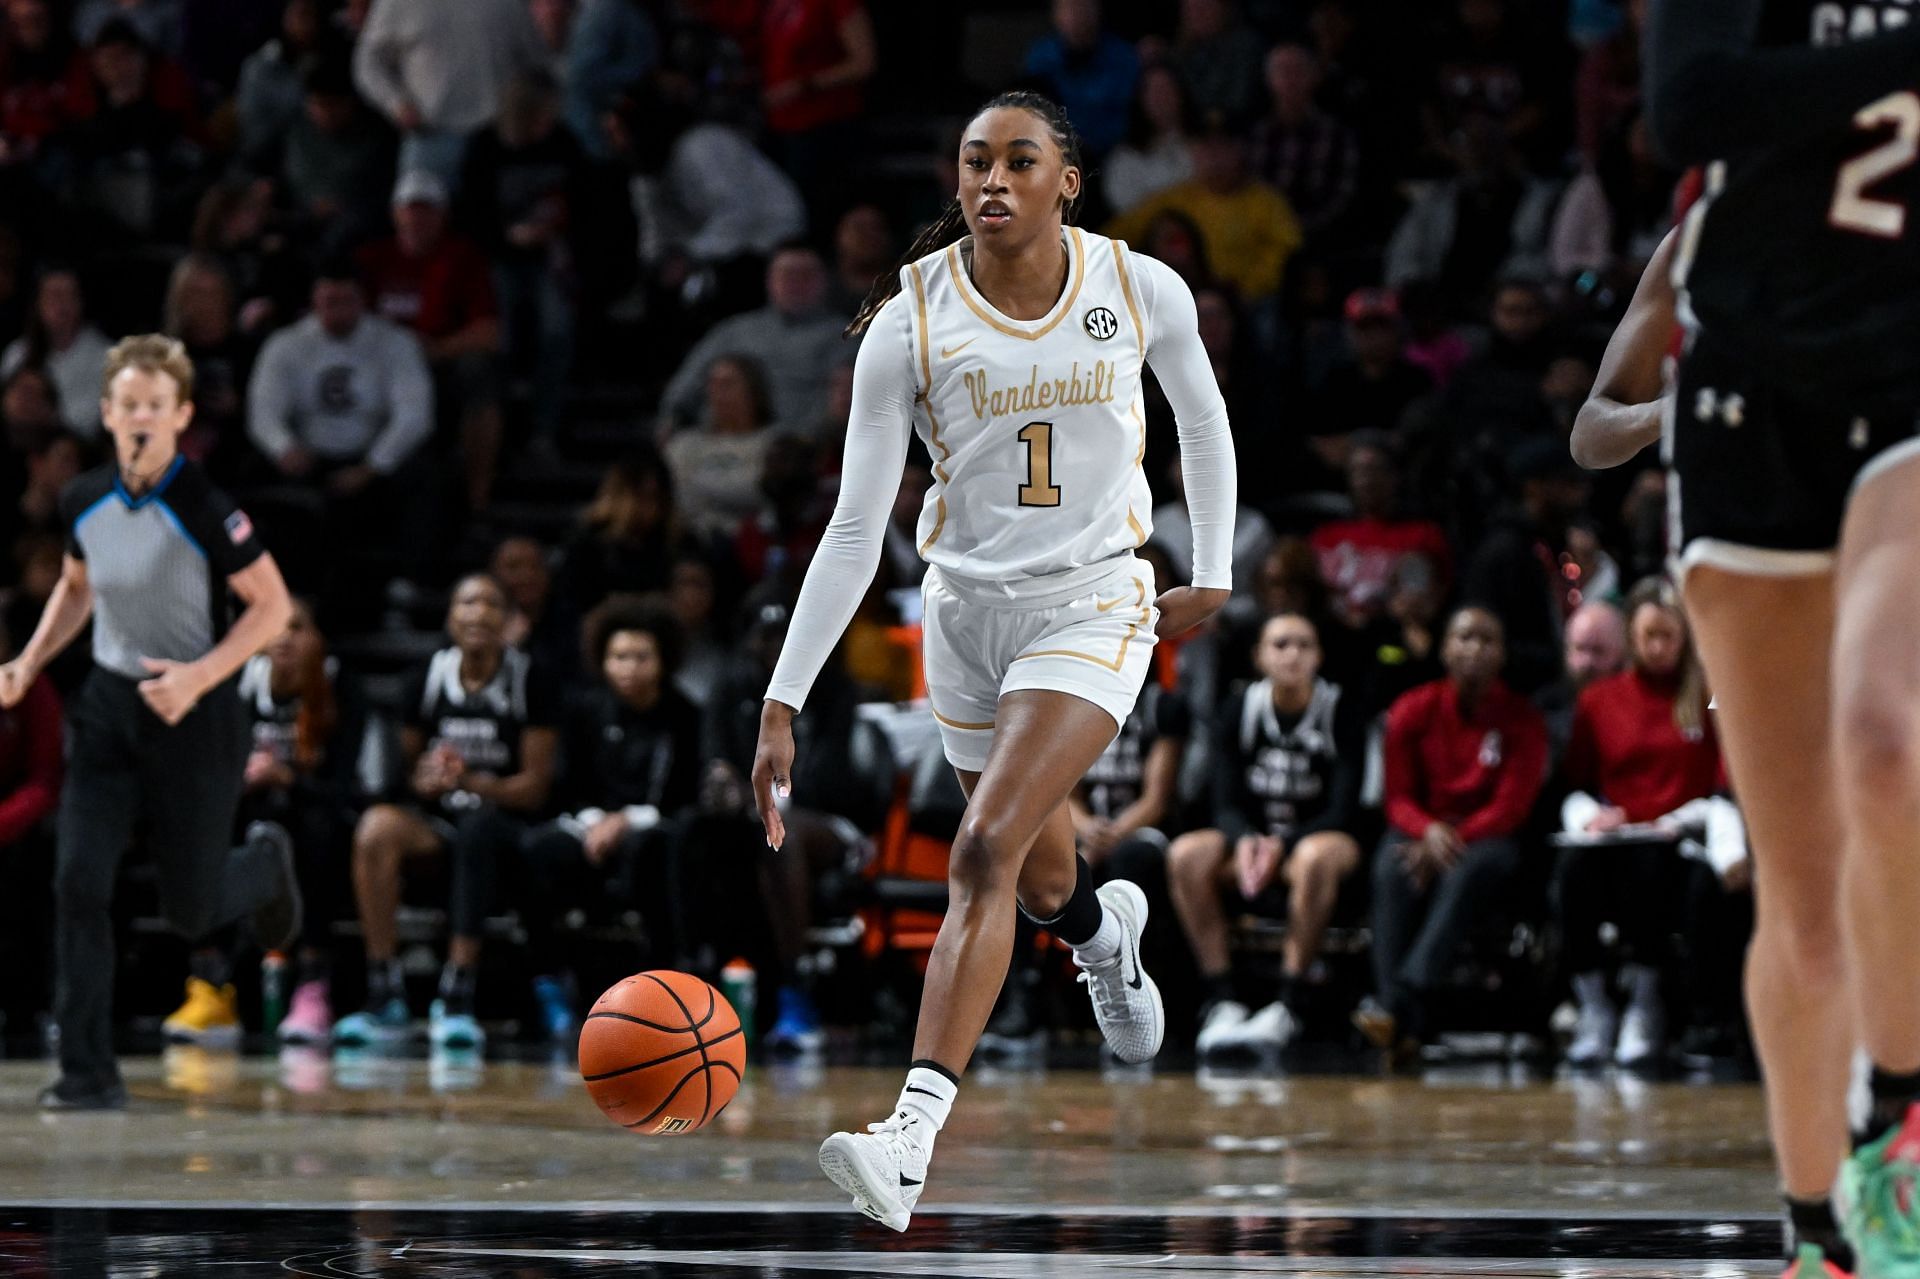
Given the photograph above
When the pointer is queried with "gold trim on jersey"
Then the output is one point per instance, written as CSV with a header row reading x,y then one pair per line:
x,y
925,399
1126,289
1119,658
984,309
954,723
1139,533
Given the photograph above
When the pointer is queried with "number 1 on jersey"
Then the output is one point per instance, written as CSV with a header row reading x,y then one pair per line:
x,y
1039,490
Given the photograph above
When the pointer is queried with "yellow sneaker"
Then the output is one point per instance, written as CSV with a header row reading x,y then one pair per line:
x,y
210,1017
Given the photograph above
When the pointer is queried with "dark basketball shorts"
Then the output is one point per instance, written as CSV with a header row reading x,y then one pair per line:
x,y
1760,471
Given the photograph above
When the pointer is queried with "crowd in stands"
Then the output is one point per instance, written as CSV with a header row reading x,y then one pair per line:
x,y
518,333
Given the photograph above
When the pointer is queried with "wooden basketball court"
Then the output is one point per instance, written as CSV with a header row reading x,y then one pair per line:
x,y
311,1165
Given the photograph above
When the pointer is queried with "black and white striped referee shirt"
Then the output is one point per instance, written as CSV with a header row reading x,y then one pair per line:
x,y
158,563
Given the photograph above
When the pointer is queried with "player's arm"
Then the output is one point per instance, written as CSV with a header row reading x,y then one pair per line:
x,y
1159,777
1623,413
525,791
1179,361
843,565
1711,94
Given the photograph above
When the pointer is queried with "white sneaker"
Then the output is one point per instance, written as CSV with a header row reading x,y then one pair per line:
x,y
883,1168
1269,1030
1126,1003
1642,1031
1598,1025
1220,1031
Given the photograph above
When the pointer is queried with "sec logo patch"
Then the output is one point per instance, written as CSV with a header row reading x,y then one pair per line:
x,y
1102,324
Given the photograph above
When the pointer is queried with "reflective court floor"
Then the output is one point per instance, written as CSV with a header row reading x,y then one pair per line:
x,y
301,1165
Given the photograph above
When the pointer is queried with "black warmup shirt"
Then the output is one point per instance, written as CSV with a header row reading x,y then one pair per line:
x,y
1118,776
1287,775
613,756
483,726
158,564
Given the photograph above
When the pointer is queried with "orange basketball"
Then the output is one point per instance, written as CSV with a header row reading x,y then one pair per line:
x,y
662,1052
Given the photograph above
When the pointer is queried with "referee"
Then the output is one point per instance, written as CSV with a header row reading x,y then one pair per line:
x,y
157,733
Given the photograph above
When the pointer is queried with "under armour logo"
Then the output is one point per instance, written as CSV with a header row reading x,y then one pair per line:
x,y
1708,404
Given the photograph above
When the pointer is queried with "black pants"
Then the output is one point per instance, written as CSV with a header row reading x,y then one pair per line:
x,y
481,842
1637,889
555,877
322,831
1417,931
125,766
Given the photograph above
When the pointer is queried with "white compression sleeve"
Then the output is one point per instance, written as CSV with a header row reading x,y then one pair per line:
x,y
876,454
1180,362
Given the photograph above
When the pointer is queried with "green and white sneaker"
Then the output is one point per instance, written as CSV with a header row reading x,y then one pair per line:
x,y
1879,1202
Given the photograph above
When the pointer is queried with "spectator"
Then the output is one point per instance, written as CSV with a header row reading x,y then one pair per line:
x,y
1157,151
1607,91
1595,647
1173,530
437,69
775,545
717,465
863,252
134,165
1219,59
32,765
626,536
816,57
629,772
36,88
553,19
615,47
1643,749
235,221
536,624
59,340
336,157
1486,65
525,184
1249,228
1301,151
792,336
1465,759
1401,650
1358,556
200,311
477,744
1433,342
710,203
306,739
273,86
1517,573
437,282
341,396
1486,217
1089,71
156,21
692,598
1496,399
52,462
1288,759
1176,239
30,407
1372,386
39,557
1266,448
1613,217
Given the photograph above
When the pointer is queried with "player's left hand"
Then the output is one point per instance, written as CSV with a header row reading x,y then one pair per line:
x,y
173,690
1185,607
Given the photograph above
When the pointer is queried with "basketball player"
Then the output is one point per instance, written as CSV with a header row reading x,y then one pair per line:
x,y
1015,346
157,732
1792,438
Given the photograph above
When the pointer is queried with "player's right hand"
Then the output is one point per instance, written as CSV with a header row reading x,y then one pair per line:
x,y
15,678
773,769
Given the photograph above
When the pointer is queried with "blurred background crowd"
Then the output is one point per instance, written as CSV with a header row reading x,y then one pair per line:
x,y
552,291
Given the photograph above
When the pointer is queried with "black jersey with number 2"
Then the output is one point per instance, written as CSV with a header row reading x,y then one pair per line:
x,y
1802,259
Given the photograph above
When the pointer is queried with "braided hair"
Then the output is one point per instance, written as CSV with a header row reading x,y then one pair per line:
x,y
951,225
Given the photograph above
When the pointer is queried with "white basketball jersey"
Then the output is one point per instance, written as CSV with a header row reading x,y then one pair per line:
x,y
1034,426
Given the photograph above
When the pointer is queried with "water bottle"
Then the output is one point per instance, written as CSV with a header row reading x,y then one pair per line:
x,y
739,984
273,991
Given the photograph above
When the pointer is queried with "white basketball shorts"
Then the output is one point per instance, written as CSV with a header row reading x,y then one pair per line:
x,y
1096,645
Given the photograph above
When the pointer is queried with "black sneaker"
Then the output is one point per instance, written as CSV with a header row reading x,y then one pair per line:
x,y
71,1092
276,923
1013,1032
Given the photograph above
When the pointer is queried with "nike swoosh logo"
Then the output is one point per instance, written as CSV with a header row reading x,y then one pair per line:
x,y
948,352
1110,605
1135,983
907,1181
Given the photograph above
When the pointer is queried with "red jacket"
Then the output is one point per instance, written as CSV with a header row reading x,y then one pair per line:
x,y
1479,774
31,762
435,296
1626,750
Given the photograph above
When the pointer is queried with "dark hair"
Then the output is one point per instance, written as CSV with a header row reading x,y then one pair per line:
x,y
610,511
337,268
951,225
633,613
1139,127
39,342
755,375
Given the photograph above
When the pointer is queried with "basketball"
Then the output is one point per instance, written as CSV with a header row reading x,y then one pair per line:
x,y
662,1052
